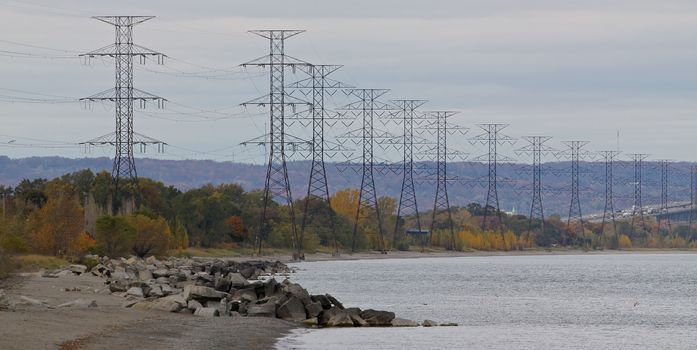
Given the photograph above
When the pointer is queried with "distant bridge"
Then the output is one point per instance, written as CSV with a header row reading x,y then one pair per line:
x,y
675,212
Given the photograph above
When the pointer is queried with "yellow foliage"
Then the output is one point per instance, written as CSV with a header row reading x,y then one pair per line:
x,y
82,243
625,242
489,240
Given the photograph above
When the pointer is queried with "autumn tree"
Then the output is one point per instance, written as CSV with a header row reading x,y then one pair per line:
x,y
151,236
115,235
58,223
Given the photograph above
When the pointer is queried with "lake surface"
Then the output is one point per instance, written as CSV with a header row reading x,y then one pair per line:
x,y
597,301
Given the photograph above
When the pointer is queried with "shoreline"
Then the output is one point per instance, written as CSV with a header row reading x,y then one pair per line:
x,y
374,255
109,325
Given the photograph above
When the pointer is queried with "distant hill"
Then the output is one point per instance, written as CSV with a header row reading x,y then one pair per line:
x,y
185,174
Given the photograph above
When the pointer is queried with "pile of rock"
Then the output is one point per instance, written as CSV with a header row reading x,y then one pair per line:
x,y
216,287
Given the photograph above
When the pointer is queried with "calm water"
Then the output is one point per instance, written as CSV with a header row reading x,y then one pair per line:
x,y
627,301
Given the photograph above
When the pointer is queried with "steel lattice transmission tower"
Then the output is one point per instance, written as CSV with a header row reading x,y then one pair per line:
x,y
319,84
441,201
608,158
638,159
276,183
367,105
576,153
407,196
537,149
492,137
693,199
664,165
123,50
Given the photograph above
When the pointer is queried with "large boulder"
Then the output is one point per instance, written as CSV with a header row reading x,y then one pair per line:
x,y
293,310
144,275
117,286
193,304
340,319
313,309
161,273
247,294
136,292
296,290
429,323
263,310
403,322
358,321
222,284
207,312
202,293
77,269
164,304
377,318
334,301
237,281
323,300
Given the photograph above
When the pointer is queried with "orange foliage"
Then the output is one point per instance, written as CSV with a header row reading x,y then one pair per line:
x,y
490,240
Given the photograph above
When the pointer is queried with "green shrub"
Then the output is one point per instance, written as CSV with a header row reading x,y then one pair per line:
x,y
115,236
403,246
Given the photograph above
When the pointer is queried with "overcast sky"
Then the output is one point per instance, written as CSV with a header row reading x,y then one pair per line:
x,y
569,69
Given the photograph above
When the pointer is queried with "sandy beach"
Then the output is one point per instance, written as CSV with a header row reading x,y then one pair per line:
x,y
111,326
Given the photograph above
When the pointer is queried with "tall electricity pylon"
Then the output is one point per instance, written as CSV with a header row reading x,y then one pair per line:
x,y
318,84
123,50
536,148
638,159
575,153
664,165
609,209
407,196
276,183
367,106
492,137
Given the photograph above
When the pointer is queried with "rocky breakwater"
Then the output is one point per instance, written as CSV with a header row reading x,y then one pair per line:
x,y
227,288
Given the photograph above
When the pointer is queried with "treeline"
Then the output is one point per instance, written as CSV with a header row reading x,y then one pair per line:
x,y
66,217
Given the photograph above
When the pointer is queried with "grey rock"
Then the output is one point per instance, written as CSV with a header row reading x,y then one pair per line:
x,y
358,321
144,275
222,284
177,298
378,318
323,300
224,307
163,304
429,323
293,310
263,310
136,292
449,324
193,304
334,301
237,281
202,293
340,319
50,274
156,291
159,273
167,290
247,294
313,309
79,303
296,290
77,269
402,322
326,315
117,286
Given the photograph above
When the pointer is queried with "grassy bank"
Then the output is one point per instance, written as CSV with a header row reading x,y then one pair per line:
x,y
28,263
